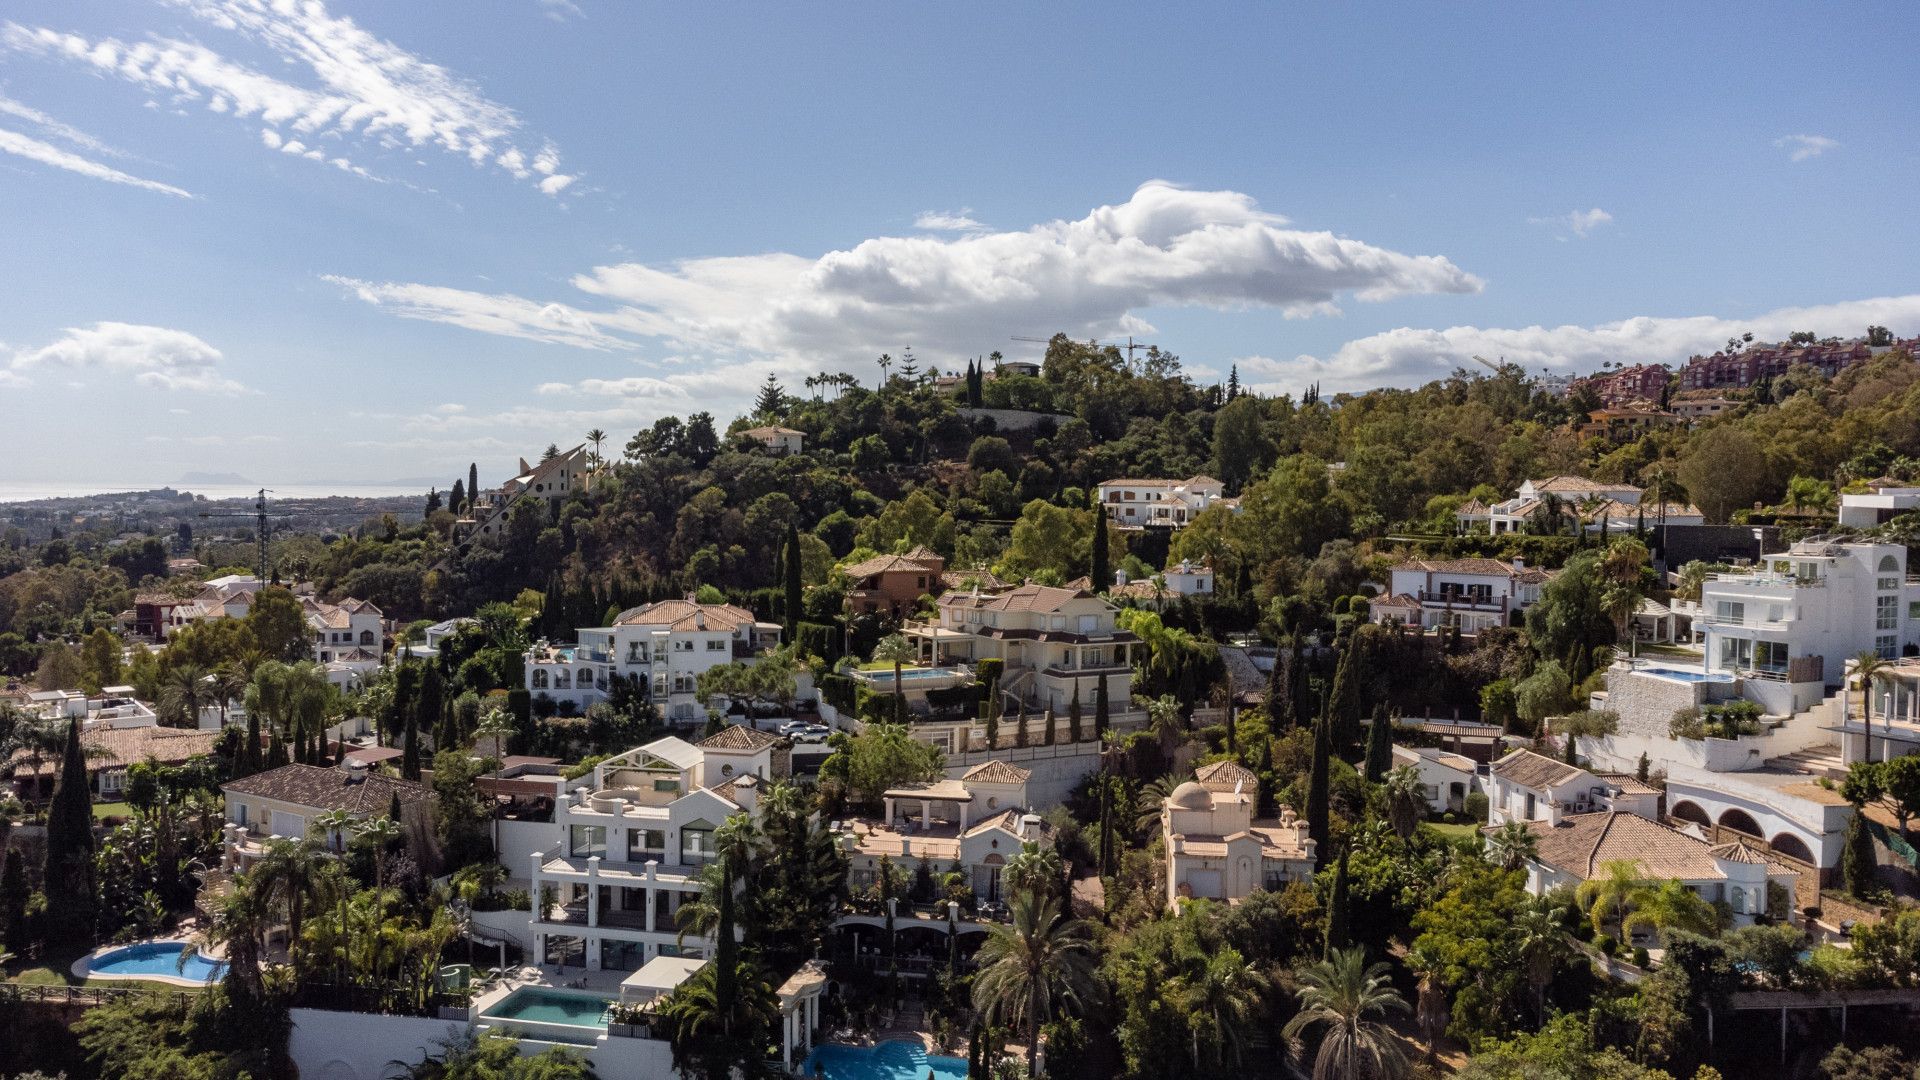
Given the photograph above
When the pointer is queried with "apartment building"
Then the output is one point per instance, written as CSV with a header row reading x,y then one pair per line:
x,y
1641,382
1800,613
1167,503
1757,362
664,645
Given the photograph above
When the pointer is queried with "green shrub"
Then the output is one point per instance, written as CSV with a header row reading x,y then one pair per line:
x,y
1476,806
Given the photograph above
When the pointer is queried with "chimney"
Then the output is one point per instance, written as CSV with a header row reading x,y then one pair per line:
x,y
1119,577
1519,563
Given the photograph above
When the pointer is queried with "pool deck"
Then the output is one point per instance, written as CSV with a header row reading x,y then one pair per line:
x,y
553,978
83,967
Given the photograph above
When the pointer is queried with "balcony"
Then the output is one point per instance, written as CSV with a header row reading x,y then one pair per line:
x,y
1464,601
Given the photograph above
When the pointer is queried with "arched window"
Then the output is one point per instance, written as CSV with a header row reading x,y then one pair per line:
x,y
1889,565
366,637
1739,900
539,678
1741,821
1792,847
1686,811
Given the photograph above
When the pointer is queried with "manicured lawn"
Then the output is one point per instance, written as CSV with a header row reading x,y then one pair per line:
x,y
111,809
53,968
1462,831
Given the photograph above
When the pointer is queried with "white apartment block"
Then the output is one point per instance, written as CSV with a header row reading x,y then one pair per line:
x,y
1171,503
1468,594
1802,612
629,844
665,645
1056,643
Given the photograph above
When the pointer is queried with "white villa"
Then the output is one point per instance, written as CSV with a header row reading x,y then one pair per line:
x,y
283,803
1525,786
1216,849
1803,611
1056,643
1469,594
629,842
549,483
1578,847
973,825
1511,515
780,440
1173,503
1446,778
666,645
1884,500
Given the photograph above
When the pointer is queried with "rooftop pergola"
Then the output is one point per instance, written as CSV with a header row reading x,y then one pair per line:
x,y
952,791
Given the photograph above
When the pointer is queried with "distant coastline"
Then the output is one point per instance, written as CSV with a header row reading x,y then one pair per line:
x,y
35,491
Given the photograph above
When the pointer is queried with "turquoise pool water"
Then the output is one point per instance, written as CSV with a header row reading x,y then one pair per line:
x,y
909,675
1687,676
157,958
542,1005
887,1061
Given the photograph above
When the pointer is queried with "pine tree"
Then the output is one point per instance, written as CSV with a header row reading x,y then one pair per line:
x,y
1100,707
772,400
1073,714
1233,382
69,881
1318,808
1337,914
1100,575
794,590
1640,771
1379,745
1857,861
433,501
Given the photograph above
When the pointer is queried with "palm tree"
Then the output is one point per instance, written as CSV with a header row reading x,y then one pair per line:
x,y
1868,666
886,361
1030,970
1430,1002
898,651
289,873
703,1019
596,437
1163,719
1541,941
1511,845
186,691
1034,870
1224,996
1152,800
228,686
241,920
1405,796
380,832
1606,898
1342,993
1668,907
496,723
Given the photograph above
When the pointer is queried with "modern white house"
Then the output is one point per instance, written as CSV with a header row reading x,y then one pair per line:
x,y
628,844
1884,500
1446,778
1468,594
1525,786
665,646
1512,515
433,637
1170,503
1056,644
1801,612
349,638
1217,850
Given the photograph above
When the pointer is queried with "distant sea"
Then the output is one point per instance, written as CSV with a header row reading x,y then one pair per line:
x,y
28,490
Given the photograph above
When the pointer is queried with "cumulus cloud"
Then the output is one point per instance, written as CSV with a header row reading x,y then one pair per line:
x,y
948,220
1580,222
1408,356
155,356
12,142
1804,147
1166,246
354,84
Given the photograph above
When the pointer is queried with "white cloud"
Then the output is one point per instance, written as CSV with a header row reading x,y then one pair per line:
x,y
1408,356
1581,222
1164,247
561,10
359,85
948,220
156,356
12,379
64,132
1803,147
12,142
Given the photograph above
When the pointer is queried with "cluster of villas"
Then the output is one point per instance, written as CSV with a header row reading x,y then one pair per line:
x,y
349,638
661,648
1597,508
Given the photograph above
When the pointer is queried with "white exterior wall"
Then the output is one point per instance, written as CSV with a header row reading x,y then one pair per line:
x,y
1814,604
1822,828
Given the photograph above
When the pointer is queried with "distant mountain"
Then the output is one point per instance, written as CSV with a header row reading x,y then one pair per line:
x,y
204,478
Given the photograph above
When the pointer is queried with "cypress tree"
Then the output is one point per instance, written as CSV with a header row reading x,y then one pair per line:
x,y
248,761
1317,795
1100,715
1046,718
1100,574
1857,861
990,711
473,481
1073,714
1280,716
1020,724
1337,914
1106,824
794,591
1298,682
1347,679
430,706
13,902
69,880
458,499
1379,745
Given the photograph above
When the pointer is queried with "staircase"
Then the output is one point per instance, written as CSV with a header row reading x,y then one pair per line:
x,y
1814,761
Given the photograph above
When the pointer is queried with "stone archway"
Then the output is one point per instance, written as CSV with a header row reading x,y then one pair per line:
x,y
1687,811
1792,847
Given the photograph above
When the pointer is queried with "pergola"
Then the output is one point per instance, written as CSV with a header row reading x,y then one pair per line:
x,y
952,791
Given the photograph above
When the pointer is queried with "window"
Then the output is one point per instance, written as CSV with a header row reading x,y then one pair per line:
x,y
1887,647
366,637
539,679
1913,610
1730,611
683,645
667,784
716,646
588,841
1886,613
696,846
240,813
645,844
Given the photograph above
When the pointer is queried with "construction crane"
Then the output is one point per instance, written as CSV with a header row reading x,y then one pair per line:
x,y
262,527
1490,365
1129,346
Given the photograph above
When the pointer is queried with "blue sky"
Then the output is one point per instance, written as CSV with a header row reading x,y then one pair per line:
x,y
338,241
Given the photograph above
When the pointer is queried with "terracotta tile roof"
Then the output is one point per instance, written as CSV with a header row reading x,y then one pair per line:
x,y
998,772
685,615
1139,483
1472,506
1008,820
738,737
1397,600
1576,485
1023,598
774,429
1583,844
883,564
1531,770
1460,566
329,789
967,579
1201,478
120,747
1226,776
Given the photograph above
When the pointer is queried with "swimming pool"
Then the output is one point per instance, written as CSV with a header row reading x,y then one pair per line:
x,y
545,1005
1687,676
911,674
154,961
886,1061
